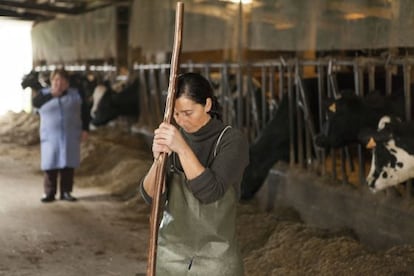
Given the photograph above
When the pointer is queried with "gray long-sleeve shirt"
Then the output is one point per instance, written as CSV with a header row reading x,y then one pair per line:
x,y
223,170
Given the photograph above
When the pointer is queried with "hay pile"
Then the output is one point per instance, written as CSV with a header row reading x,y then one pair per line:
x,y
19,128
280,244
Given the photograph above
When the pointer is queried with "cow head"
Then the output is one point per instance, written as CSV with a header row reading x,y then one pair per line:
x,y
347,115
35,80
102,110
392,153
343,117
31,80
108,104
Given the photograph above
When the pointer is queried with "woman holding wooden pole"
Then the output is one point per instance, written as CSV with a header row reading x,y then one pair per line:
x,y
206,160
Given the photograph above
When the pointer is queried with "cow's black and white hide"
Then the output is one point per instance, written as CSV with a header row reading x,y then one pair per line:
x,y
109,104
349,114
392,147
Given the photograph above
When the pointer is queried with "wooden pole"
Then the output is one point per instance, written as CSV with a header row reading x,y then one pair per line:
x,y
162,160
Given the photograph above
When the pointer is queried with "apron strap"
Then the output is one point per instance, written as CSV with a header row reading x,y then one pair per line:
x,y
219,139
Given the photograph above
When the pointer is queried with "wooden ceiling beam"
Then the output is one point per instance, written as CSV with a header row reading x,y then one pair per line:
x,y
42,9
7,13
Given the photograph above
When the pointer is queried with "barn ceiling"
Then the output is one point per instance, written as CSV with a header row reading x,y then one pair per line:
x,y
42,10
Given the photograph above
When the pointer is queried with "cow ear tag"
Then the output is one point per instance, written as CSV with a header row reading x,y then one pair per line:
x,y
332,107
371,143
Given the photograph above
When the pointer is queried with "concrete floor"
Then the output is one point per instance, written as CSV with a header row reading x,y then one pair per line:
x,y
94,236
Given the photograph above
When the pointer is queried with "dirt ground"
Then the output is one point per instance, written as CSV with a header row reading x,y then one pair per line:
x,y
106,231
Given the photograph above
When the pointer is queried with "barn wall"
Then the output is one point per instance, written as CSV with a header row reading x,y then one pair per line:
x,y
89,36
152,26
283,25
379,220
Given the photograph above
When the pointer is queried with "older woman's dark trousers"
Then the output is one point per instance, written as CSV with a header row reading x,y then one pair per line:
x,y
51,179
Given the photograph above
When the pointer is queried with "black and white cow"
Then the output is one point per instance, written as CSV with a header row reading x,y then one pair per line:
x,y
392,147
109,104
34,80
85,82
271,146
349,114
273,142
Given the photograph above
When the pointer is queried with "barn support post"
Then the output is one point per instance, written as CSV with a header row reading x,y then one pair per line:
x,y
407,96
357,80
240,110
250,106
163,83
155,95
282,88
231,115
223,92
299,117
275,90
144,120
282,71
407,90
321,96
263,75
307,122
388,77
360,81
343,152
331,94
256,114
291,112
371,77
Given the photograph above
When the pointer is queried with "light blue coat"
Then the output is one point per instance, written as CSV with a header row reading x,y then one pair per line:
x,y
60,130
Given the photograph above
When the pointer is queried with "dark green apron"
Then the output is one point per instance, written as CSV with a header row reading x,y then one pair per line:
x,y
196,238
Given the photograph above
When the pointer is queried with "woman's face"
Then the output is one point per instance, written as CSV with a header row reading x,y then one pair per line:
x,y
59,83
189,115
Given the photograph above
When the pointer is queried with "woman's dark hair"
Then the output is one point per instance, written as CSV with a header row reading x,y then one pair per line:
x,y
61,72
197,88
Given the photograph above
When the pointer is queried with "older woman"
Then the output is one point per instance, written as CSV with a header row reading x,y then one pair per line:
x,y
63,123
206,159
